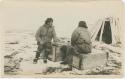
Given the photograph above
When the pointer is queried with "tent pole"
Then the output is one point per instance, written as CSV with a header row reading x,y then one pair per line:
x,y
95,32
100,38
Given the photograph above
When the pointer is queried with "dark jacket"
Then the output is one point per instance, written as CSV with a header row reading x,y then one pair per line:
x,y
81,39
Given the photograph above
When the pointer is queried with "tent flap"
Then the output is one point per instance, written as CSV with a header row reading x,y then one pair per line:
x,y
112,29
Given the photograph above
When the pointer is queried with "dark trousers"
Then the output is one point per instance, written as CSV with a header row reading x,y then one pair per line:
x,y
67,53
45,49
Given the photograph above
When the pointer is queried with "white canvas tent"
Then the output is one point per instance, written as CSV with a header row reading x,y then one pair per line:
x,y
107,30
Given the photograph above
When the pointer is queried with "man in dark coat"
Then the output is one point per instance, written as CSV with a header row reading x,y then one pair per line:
x,y
81,39
44,36
80,43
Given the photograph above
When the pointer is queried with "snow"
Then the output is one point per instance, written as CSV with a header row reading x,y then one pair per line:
x,y
26,45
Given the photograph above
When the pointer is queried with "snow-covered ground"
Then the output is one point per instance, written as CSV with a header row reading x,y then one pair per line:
x,y
22,45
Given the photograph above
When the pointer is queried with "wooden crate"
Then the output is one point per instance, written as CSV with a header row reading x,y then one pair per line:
x,y
55,55
91,60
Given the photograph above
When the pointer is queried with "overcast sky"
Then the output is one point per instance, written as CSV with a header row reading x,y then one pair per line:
x,y
21,14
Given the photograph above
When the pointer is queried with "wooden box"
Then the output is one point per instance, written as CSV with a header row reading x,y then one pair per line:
x,y
91,60
55,55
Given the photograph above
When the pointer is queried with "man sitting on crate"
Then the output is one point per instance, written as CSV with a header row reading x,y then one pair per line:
x,y
44,36
80,43
81,39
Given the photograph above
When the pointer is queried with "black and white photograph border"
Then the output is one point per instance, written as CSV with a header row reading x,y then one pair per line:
x,y
62,38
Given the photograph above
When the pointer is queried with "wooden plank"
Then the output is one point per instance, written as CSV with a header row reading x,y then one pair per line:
x,y
54,53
